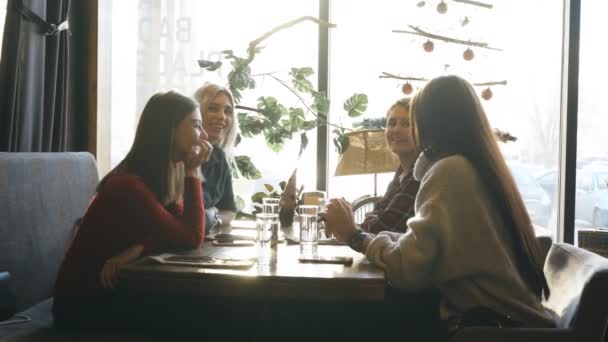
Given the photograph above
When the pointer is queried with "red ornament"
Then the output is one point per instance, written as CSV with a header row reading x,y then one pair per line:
x,y
428,46
407,88
486,94
468,54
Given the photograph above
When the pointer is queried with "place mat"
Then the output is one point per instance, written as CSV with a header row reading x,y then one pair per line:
x,y
201,261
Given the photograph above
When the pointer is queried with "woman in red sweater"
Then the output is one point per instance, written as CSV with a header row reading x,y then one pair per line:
x,y
151,202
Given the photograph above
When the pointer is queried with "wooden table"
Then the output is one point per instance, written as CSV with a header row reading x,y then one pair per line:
x,y
277,275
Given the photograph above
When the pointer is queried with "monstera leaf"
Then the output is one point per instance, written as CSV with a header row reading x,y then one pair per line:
x,y
356,105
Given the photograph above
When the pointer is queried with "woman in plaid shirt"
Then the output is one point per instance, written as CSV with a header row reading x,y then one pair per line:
x,y
397,205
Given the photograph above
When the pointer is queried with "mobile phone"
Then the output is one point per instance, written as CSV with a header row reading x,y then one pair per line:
x,y
233,243
344,260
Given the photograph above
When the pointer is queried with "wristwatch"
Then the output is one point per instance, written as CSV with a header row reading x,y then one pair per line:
x,y
356,240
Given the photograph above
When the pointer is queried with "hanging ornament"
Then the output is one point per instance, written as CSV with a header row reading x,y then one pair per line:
x,y
442,7
428,46
468,54
407,88
421,4
486,94
465,21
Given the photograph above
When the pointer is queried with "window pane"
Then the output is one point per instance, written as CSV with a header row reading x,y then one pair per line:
x,y
591,209
2,19
528,106
156,45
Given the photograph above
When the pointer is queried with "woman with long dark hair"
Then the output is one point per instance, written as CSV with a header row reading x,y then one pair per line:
x,y
471,236
151,202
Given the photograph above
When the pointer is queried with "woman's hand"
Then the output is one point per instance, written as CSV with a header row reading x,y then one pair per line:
x,y
111,268
339,219
200,155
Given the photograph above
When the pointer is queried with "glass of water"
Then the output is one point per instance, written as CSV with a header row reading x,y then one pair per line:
x,y
264,225
270,205
309,229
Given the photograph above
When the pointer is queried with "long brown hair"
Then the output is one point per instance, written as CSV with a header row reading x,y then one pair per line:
x,y
151,154
447,118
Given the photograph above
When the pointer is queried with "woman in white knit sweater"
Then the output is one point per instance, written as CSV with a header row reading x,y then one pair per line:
x,y
471,236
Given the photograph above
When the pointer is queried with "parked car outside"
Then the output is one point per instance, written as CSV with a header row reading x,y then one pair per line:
x,y
592,195
535,198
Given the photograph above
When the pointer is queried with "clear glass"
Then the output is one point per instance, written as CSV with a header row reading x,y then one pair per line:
x,y
528,106
264,225
309,230
270,205
591,209
155,47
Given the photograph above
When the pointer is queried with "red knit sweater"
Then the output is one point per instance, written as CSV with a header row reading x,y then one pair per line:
x,y
124,212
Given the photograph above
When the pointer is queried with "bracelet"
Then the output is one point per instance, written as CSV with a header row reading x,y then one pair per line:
x,y
356,240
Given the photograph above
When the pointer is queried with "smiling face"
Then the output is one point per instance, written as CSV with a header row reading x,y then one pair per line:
x,y
218,117
187,135
398,134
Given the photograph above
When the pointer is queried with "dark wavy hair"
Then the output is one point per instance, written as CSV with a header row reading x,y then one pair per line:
x,y
447,118
151,154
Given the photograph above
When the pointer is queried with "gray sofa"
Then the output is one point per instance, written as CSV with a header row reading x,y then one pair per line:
x,y
41,197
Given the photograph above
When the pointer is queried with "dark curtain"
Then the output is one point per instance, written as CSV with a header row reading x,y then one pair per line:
x,y
35,110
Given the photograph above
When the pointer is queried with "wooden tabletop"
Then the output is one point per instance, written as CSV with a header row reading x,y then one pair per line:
x,y
277,274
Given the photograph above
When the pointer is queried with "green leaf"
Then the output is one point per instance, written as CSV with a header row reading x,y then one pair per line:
x,y
341,141
271,109
356,105
309,124
251,124
303,143
209,65
274,139
320,103
246,167
269,187
257,197
300,79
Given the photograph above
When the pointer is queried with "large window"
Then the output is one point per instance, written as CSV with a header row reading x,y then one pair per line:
x,y
591,210
2,19
155,45
363,46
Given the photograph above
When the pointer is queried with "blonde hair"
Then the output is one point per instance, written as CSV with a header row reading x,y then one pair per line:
x,y
204,95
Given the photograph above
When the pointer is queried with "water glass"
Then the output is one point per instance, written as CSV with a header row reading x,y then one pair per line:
x,y
270,205
264,225
309,229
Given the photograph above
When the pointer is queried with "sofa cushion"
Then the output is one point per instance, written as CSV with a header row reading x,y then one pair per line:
x,y
42,196
568,270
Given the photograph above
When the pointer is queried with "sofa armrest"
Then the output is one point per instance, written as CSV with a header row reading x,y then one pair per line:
x,y
8,301
485,334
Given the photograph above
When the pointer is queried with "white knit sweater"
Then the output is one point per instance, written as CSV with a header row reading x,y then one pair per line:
x,y
458,243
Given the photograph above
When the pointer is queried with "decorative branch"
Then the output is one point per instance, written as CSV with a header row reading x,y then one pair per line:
x,y
475,3
419,32
393,76
254,43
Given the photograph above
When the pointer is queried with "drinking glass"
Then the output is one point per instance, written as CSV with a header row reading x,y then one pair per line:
x,y
309,229
264,225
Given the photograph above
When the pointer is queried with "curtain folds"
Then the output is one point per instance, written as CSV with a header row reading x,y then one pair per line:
x,y
35,110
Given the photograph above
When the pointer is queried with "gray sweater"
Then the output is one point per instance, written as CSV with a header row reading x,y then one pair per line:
x,y
458,243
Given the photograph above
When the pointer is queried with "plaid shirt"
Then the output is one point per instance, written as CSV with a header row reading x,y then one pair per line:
x,y
394,208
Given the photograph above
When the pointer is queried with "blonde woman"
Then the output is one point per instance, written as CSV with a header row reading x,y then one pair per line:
x,y
220,123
